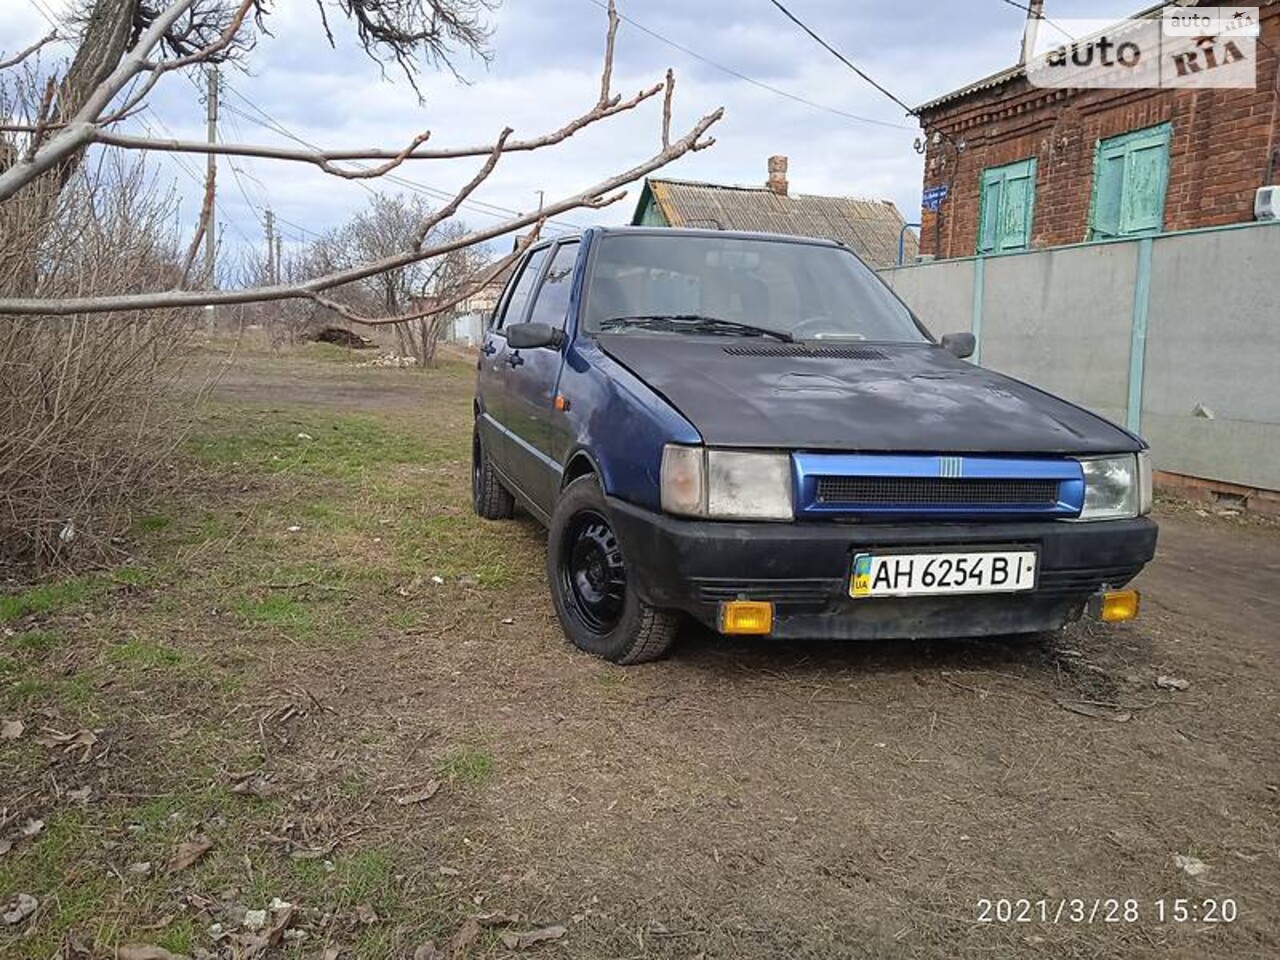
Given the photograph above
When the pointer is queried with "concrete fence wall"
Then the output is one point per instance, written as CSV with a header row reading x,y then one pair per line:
x,y
1175,336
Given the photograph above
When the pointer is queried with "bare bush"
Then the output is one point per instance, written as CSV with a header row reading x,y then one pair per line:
x,y
84,422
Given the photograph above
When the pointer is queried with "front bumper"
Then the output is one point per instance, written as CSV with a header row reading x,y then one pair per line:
x,y
693,565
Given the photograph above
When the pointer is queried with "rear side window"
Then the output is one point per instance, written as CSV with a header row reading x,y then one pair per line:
x,y
523,289
552,305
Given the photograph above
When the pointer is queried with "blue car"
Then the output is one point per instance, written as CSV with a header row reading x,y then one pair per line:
x,y
754,431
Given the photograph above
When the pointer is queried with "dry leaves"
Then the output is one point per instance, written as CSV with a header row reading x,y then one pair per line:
x,y
11,729
428,951
1172,683
497,918
463,940
366,914
420,796
83,740
188,853
255,785
523,939
253,945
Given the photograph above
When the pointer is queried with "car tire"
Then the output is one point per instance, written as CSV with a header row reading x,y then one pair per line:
x,y
489,497
596,601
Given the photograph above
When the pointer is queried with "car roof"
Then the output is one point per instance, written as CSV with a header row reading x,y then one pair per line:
x,y
711,232
634,231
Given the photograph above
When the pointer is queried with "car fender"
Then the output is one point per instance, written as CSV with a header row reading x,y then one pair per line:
x,y
619,425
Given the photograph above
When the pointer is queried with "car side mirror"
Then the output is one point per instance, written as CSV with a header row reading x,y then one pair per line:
x,y
528,336
960,344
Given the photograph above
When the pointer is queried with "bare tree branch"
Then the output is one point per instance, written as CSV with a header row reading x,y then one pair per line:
x,y
601,194
478,284
79,131
210,50
666,107
606,75
23,54
378,171
449,209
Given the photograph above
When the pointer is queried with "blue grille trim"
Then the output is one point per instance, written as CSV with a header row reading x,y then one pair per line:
x,y
809,468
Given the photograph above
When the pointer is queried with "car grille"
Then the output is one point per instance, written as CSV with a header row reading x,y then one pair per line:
x,y
1076,582
802,350
937,491
797,592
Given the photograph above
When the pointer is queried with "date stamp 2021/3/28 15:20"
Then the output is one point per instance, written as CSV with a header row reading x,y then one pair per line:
x,y
1087,910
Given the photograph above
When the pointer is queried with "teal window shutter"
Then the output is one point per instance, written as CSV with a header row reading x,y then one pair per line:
x,y
1007,203
1130,178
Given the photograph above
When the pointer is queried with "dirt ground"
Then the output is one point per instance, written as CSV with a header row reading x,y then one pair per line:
x,y
320,663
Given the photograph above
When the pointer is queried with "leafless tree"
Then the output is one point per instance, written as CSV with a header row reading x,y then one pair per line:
x,y
130,45
390,224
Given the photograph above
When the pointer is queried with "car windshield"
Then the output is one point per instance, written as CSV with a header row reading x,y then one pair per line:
x,y
733,286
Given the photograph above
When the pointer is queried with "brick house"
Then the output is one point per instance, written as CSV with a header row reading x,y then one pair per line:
x,y
1026,166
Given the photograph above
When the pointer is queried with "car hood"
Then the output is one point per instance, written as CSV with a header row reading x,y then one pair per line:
x,y
742,392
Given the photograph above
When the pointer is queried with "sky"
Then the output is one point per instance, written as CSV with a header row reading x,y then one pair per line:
x,y
849,139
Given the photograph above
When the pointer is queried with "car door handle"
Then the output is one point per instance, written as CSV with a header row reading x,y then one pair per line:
x,y
489,348
515,359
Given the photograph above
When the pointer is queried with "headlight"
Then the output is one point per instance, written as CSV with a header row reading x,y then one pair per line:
x,y
726,484
1116,488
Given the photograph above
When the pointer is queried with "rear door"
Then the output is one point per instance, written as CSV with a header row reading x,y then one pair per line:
x,y
496,358
531,386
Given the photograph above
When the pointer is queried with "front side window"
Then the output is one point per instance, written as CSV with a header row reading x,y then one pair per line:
x,y
513,310
552,305
1130,174
1006,206
801,290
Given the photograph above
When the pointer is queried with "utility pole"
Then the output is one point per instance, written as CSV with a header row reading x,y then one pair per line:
x,y
271,246
211,189
279,253
1035,13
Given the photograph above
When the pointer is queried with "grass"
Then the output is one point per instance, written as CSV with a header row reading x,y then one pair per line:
x,y
174,677
49,598
310,443
141,654
466,765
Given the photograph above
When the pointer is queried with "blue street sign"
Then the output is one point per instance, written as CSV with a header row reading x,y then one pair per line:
x,y
932,198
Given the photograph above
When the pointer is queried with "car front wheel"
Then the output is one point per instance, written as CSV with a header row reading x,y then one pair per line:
x,y
595,600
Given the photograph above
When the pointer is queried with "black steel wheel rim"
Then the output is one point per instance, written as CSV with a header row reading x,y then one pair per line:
x,y
476,469
593,579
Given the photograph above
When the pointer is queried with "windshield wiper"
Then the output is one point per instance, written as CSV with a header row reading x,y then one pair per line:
x,y
696,322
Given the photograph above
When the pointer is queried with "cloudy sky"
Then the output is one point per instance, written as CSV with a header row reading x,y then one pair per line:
x,y
846,139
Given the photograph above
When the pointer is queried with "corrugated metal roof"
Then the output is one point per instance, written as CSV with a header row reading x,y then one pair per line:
x,y
869,227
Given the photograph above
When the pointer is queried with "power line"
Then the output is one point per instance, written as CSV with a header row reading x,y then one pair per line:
x,y
46,13
840,56
751,80
480,206
1025,9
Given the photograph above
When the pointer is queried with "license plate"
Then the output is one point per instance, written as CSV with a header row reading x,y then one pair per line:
x,y
931,574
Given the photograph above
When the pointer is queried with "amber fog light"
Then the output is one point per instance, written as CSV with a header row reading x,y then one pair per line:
x,y
746,617
1116,606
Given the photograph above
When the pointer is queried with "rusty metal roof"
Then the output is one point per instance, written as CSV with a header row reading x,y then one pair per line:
x,y
869,227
